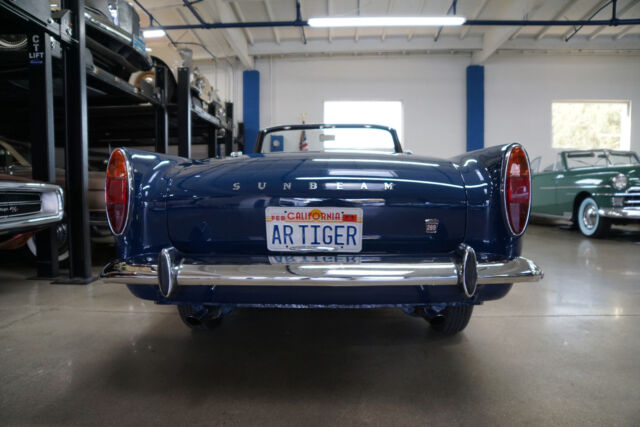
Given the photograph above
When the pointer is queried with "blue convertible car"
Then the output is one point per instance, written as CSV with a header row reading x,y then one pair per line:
x,y
321,216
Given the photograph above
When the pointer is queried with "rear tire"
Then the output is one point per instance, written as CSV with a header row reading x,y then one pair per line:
x,y
590,223
200,319
451,320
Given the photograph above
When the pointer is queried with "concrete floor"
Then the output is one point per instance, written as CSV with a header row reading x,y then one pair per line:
x,y
562,351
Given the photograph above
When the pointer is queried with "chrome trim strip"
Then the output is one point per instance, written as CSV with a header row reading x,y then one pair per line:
x,y
631,192
433,273
622,213
51,210
574,187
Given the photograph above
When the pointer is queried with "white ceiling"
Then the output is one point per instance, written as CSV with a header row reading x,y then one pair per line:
x,y
481,42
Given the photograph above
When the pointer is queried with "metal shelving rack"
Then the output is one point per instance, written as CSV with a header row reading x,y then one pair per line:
x,y
119,98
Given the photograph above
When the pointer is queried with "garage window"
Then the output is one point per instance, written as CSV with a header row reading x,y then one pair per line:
x,y
591,124
386,113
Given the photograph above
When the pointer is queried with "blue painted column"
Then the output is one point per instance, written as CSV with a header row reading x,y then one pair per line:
x,y
475,107
250,108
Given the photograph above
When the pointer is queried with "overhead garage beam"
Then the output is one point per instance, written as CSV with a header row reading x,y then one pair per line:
x,y
495,37
424,43
587,16
475,15
389,9
179,44
240,16
557,16
420,12
621,12
276,33
502,22
233,36
623,33
527,17
365,45
582,44
329,33
299,19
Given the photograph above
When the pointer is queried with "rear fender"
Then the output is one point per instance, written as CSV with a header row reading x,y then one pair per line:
x,y
147,229
487,231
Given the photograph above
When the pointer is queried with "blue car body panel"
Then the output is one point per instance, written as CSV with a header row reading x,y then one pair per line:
x,y
216,207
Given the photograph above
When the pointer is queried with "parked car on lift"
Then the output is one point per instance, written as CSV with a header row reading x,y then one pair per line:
x,y
27,206
354,222
114,41
15,161
202,92
592,188
113,37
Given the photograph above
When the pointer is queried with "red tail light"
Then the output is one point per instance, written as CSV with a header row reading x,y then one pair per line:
x,y
117,191
517,189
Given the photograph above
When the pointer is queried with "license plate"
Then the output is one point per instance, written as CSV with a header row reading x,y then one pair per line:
x,y
314,229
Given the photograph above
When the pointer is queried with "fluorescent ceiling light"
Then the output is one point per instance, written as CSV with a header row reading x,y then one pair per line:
x,y
153,34
148,49
388,21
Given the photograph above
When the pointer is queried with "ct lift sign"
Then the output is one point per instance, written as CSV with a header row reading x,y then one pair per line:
x,y
36,50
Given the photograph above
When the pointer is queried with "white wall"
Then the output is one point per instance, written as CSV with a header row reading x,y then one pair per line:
x,y
431,88
221,75
519,90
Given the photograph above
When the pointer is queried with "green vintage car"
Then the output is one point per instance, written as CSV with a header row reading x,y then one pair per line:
x,y
591,188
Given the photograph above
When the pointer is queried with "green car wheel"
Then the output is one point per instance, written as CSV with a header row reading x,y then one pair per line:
x,y
590,223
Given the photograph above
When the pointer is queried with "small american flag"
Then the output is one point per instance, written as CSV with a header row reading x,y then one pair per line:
x,y
303,146
303,141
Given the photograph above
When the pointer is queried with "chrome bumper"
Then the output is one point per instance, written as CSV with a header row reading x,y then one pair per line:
x,y
51,206
462,271
621,213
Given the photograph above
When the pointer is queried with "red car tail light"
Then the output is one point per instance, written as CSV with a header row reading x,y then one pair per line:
x,y
118,191
516,189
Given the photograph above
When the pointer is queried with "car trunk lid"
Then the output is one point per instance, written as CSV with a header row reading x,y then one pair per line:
x,y
408,204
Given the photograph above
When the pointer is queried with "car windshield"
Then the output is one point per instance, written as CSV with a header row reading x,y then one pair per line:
x,y
600,158
329,138
623,158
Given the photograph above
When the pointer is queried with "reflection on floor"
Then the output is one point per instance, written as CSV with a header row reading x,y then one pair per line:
x,y
563,351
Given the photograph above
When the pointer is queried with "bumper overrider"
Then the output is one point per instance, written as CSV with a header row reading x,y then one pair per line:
x,y
461,269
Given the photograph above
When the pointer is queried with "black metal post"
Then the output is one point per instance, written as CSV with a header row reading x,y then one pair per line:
x,y
162,117
228,141
228,137
42,141
212,142
184,113
75,86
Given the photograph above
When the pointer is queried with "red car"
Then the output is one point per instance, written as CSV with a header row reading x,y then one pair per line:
x,y
26,206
